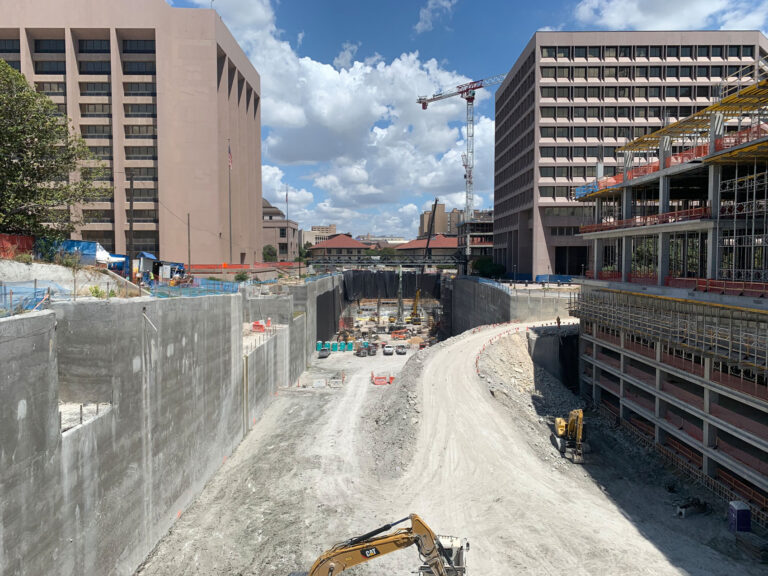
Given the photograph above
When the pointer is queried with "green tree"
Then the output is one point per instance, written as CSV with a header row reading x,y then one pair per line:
x,y
269,253
484,266
38,152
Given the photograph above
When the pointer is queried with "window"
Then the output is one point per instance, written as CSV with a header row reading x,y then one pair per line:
x,y
563,52
547,92
547,71
101,152
670,92
578,152
580,52
547,191
641,93
146,216
547,131
101,131
547,171
593,151
622,111
141,131
580,93
283,247
95,67
609,112
593,112
716,72
593,92
655,51
51,88
717,51
686,51
283,233
702,71
562,132
140,110
138,67
563,72
623,91
671,72
625,52
561,171
686,92
61,109
141,89
580,72
547,151
562,112
591,172
594,51
579,133
141,174
563,92
609,132
49,46
142,194
548,51
96,110
579,112
93,46
734,71
702,51
50,67
733,51
641,112
609,92
625,72
578,172
140,153
609,72
97,174
641,72
15,64
610,52
702,91
139,46
593,132
593,72
654,111
98,216
641,51
654,72
747,51
95,89
547,112
10,46
673,51
654,92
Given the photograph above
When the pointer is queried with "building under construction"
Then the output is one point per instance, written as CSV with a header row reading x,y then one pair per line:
x,y
674,310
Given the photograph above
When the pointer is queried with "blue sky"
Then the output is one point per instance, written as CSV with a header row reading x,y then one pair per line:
x,y
341,128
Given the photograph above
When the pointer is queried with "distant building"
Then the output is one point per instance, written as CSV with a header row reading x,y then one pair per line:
x,y
440,245
378,240
454,218
480,235
323,233
281,233
446,223
338,245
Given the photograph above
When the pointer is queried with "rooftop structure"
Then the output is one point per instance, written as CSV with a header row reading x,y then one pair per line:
x,y
280,232
567,105
674,320
131,75
480,234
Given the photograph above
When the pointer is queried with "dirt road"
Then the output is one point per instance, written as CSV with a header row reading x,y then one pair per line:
x,y
310,474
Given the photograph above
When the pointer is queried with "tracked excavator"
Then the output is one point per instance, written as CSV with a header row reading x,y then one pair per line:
x,y
569,435
441,555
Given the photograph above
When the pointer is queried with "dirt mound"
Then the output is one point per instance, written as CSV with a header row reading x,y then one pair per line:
x,y
391,421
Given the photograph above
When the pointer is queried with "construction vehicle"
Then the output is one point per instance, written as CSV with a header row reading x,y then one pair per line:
x,y
569,435
415,318
441,555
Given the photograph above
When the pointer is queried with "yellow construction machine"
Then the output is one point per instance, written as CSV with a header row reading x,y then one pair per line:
x,y
441,555
569,435
415,318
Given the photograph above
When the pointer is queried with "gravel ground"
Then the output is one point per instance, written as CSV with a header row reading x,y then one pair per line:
x,y
12,271
325,464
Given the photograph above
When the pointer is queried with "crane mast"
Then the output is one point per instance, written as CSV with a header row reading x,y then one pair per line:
x,y
467,92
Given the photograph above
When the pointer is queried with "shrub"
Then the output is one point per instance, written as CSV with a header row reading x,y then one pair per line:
x,y
24,258
97,292
241,276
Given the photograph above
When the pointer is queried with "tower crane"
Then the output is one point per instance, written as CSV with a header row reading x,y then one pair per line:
x,y
466,91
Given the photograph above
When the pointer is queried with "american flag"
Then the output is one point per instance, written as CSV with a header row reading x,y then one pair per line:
x,y
229,152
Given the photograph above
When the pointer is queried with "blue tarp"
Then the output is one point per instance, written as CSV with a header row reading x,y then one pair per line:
x,y
553,278
146,255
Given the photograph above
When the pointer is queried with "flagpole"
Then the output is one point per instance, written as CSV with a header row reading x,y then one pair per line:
x,y
229,152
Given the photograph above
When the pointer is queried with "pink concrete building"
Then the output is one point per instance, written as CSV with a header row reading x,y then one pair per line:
x,y
161,95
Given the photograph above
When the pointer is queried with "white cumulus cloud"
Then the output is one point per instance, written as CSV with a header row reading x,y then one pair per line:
x,y
433,10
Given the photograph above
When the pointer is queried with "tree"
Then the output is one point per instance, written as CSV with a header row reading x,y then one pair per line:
x,y
38,152
485,266
269,253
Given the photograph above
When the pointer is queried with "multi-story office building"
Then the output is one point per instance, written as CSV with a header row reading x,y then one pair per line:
x,y
568,103
480,235
323,233
280,232
445,222
673,313
166,99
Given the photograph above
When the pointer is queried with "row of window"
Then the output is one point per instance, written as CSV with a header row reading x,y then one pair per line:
x,y
573,172
131,152
563,230
629,92
84,46
565,52
94,67
640,72
131,110
616,112
105,88
578,152
92,216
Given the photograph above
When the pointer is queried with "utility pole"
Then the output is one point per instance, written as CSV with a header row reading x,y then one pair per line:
x,y
285,187
189,247
130,225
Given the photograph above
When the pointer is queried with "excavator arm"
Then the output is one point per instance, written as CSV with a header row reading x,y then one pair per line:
x,y
372,545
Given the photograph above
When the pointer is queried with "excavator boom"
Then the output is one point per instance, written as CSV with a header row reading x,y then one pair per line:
x,y
437,560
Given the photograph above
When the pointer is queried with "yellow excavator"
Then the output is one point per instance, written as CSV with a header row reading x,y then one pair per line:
x,y
569,434
415,318
441,555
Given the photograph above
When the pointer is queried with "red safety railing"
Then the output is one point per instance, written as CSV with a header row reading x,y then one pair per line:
x,y
683,450
609,275
742,136
610,386
644,278
609,181
687,155
683,395
254,266
643,170
741,488
743,456
744,386
758,429
682,364
650,220
732,288
641,401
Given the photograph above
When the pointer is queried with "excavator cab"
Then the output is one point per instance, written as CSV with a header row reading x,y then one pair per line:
x,y
569,434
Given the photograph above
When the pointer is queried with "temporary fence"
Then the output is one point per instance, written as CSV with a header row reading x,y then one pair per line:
x,y
18,297
11,245
197,287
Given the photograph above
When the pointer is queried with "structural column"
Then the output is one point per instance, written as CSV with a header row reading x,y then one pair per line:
x,y
626,241
713,234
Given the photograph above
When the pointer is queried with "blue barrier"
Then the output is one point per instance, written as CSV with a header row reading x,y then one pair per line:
x,y
563,278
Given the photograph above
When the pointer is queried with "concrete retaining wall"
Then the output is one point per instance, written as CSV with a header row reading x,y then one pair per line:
x,y
477,304
96,499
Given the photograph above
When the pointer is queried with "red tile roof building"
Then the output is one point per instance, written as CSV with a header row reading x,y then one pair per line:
x,y
338,245
439,246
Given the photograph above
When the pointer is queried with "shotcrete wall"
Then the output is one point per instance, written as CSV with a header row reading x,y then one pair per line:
x,y
96,499
477,303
